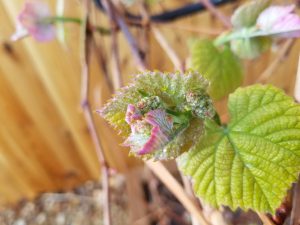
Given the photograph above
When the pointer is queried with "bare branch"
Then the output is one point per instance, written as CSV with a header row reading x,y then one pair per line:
x,y
214,11
114,45
266,220
189,190
172,184
116,66
124,28
87,41
99,50
169,15
280,56
295,215
199,30
178,64
144,32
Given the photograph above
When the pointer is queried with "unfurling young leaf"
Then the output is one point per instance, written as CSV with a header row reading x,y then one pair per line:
x,y
250,48
161,115
244,18
247,14
220,67
255,24
252,162
280,21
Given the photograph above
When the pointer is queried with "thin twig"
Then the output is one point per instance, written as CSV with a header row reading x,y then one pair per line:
x,y
295,215
153,213
214,11
130,39
213,215
280,56
297,84
116,59
145,32
170,15
266,220
116,67
199,30
178,64
85,58
172,184
189,190
99,50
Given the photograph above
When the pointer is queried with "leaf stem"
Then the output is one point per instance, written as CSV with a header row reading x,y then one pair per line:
x,y
218,14
62,19
248,33
65,19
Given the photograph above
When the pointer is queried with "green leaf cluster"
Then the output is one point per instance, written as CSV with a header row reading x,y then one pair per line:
x,y
247,14
251,162
172,89
244,18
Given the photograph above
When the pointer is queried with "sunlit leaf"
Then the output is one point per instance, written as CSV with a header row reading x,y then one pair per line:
x,y
252,162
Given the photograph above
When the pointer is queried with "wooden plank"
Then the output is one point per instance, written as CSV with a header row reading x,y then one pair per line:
x,y
59,77
39,107
17,155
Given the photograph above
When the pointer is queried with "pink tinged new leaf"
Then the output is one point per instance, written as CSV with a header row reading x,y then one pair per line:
x,y
35,19
280,20
132,114
140,132
151,133
273,15
160,133
157,140
159,118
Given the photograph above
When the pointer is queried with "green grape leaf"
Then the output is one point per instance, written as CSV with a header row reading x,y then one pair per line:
x,y
246,15
250,48
252,162
220,67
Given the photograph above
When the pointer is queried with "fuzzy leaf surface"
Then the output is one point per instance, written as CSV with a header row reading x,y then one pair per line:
x,y
220,67
252,162
172,89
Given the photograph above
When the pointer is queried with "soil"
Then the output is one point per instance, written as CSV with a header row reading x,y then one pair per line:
x,y
83,206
